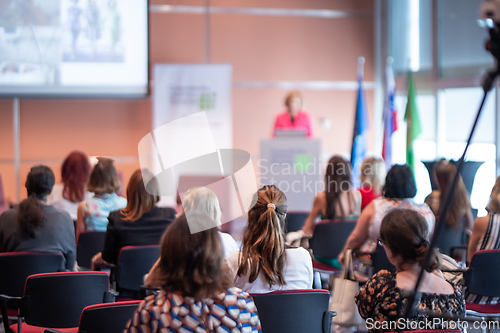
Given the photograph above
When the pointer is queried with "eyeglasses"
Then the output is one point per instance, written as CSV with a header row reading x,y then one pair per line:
x,y
379,240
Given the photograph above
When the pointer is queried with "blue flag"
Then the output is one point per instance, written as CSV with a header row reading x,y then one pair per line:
x,y
359,136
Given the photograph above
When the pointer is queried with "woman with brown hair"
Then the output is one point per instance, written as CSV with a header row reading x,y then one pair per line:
x,y
75,173
141,222
104,182
460,208
405,236
265,262
197,293
338,201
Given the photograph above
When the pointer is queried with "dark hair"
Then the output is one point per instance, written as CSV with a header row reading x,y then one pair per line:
x,y
139,201
399,183
263,243
104,178
337,176
39,184
192,264
75,174
406,233
445,172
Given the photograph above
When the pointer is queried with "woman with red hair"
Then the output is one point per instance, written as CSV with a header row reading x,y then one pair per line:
x,y
75,173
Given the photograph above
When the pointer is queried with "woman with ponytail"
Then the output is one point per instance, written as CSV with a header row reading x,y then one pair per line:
x,y
265,263
36,226
405,236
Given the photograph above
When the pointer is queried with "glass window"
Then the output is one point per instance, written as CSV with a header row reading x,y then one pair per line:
x,y
460,39
410,35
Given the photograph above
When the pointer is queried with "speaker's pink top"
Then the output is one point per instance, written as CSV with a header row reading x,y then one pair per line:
x,y
301,122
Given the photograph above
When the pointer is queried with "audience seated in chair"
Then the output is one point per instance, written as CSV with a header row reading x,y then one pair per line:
x,y
404,234
197,293
372,179
104,182
201,200
36,226
486,236
338,201
444,172
141,222
265,263
75,173
398,191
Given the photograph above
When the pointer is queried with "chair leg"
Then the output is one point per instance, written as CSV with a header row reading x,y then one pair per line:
x,y
19,325
317,280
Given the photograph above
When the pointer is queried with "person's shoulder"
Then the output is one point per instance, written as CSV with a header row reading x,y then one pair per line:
x,y
232,257
298,255
56,213
9,215
115,216
383,277
167,212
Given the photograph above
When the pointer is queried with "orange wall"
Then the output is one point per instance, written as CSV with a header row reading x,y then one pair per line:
x,y
260,48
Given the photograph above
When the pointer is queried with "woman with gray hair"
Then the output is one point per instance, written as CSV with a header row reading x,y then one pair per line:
x,y
201,200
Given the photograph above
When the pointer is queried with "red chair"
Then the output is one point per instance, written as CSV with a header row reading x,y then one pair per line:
x,y
15,267
294,311
483,278
56,300
105,318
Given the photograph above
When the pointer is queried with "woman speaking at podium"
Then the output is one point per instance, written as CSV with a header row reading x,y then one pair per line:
x,y
294,118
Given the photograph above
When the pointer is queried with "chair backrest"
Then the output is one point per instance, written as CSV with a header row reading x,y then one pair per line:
x,y
483,276
107,317
89,244
56,300
294,311
451,237
329,237
295,220
380,260
133,263
15,267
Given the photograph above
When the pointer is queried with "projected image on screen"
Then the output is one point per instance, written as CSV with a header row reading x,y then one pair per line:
x,y
73,47
92,31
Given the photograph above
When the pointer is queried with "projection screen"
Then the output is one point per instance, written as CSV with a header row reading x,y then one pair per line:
x,y
73,48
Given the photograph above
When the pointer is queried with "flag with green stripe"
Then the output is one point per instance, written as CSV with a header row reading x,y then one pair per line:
x,y
413,126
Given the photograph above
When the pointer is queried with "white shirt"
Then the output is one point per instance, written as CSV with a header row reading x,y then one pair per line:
x,y
56,199
228,243
298,273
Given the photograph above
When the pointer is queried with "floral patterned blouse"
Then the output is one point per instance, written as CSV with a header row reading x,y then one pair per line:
x,y
232,311
381,303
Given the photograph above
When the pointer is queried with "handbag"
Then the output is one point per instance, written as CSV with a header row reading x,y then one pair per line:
x,y
342,299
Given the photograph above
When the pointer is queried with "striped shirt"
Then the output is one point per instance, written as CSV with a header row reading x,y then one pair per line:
x,y
490,241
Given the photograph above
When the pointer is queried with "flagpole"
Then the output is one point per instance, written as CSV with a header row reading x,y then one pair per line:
x,y
361,68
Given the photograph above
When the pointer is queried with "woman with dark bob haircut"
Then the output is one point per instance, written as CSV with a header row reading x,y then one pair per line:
x,y
398,192
35,225
197,293
405,236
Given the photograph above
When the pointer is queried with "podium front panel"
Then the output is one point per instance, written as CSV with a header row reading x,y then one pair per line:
x,y
293,165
